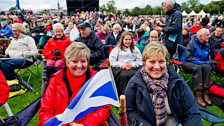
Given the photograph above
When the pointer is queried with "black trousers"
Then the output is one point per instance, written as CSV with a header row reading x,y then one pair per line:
x,y
201,75
121,77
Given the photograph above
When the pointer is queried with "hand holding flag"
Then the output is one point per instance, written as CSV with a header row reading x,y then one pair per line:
x,y
98,91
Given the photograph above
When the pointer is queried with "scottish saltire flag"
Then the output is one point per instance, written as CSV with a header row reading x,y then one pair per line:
x,y
17,5
98,91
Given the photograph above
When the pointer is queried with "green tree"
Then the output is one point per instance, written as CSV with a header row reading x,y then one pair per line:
x,y
185,6
44,11
136,11
193,3
147,10
126,12
158,10
109,6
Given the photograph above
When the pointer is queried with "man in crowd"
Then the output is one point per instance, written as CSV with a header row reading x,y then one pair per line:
x,y
215,41
172,31
93,42
38,30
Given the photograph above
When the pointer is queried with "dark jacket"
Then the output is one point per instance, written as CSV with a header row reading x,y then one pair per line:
x,y
140,108
197,52
95,45
215,43
173,24
110,39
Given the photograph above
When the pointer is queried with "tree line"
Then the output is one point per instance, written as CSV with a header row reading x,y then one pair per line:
x,y
214,7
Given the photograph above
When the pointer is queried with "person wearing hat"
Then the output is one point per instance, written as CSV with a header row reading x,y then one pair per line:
x,y
93,42
37,30
6,30
21,51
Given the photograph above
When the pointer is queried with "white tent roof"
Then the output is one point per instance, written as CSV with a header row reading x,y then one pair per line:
x,y
192,13
184,13
202,13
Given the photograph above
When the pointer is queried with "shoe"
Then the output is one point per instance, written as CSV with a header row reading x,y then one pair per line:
x,y
199,98
15,87
25,84
206,97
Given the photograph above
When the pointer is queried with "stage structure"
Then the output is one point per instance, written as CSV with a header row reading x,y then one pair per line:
x,y
74,6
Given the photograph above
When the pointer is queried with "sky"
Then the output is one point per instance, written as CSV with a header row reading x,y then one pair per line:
x,y
47,4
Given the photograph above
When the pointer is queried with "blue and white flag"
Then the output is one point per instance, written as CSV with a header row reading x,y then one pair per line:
x,y
98,91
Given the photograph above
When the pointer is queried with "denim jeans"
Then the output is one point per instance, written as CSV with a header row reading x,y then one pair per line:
x,y
8,66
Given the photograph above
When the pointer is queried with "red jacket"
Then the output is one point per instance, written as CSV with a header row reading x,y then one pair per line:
x,y
4,89
55,101
55,44
195,28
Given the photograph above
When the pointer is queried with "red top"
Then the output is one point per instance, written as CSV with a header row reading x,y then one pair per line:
x,y
55,100
56,44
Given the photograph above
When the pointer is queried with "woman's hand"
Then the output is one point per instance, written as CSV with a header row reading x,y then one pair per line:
x,y
126,66
75,124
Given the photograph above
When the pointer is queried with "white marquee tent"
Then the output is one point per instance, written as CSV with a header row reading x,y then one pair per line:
x,y
192,13
184,13
202,13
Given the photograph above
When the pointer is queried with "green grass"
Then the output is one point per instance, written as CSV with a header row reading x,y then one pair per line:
x,y
19,102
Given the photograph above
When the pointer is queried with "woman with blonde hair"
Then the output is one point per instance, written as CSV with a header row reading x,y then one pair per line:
x,y
66,84
157,96
125,59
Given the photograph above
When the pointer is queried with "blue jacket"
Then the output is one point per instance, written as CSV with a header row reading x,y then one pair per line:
x,y
7,31
140,108
197,52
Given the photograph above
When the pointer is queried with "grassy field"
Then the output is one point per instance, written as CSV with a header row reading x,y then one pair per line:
x,y
19,102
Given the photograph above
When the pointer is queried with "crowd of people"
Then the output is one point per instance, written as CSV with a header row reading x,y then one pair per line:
x,y
138,49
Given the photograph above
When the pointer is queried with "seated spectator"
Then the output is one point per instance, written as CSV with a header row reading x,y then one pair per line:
x,y
73,76
93,42
103,32
112,39
54,49
146,39
6,30
215,41
198,64
157,96
125,59
134,26
194,29
37,30
21,51
186,36
68,30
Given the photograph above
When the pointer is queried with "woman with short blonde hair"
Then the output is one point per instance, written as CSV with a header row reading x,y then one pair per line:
x,y
157,96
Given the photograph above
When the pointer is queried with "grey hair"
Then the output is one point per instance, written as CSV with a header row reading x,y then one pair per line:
x,y
170,2
58,26
201,32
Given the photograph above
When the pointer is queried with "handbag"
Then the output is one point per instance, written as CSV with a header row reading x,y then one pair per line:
x,y
10,121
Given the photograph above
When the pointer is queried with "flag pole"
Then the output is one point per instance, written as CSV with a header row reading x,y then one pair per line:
x,y
122,112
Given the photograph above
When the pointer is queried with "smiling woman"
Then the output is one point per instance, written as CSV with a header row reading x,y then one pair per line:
x,y
156,95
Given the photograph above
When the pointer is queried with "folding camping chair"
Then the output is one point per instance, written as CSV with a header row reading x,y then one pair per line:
x,y
177,63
